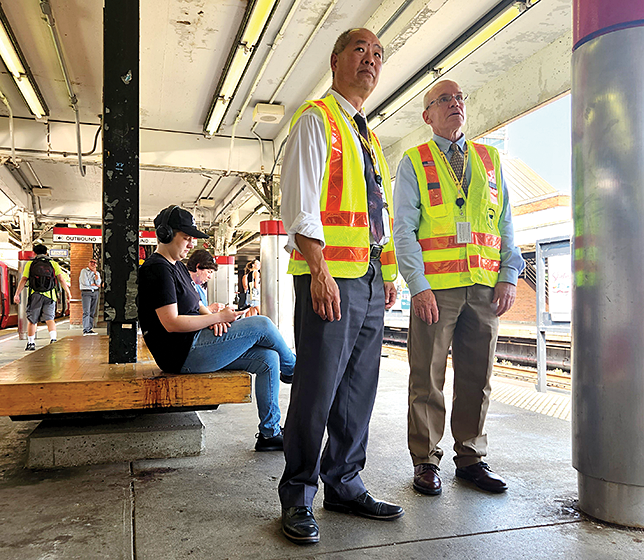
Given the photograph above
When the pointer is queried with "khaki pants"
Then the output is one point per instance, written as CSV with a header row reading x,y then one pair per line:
x,y
468,323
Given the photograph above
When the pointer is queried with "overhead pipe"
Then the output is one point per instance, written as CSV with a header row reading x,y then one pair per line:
x,y
45,6
13,138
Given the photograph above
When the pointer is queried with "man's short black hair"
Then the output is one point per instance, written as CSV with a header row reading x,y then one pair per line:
x,y
40,250
201,259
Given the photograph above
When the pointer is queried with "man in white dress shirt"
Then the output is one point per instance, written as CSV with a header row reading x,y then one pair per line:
x,y
335,207
89,281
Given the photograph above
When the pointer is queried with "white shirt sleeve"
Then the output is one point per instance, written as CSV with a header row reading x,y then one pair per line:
x,y
301,179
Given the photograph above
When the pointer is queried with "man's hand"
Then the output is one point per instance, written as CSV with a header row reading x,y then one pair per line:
x,y
504,294
390,295
425,307
325,296
215,307
219,328
228,315
16,298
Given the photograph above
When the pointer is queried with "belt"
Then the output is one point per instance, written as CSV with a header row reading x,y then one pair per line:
x,y
374,252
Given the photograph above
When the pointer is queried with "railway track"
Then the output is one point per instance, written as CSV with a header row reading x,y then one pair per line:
x,y
521,373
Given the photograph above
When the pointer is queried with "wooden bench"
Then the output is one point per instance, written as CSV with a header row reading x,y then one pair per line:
x,y
73,376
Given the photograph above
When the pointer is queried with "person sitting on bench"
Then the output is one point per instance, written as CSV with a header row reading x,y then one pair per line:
x,y
184,336
201,265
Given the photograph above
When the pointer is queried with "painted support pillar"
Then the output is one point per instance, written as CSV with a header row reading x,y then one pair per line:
x,y
23,258
121,82
608,290
277,296
222,284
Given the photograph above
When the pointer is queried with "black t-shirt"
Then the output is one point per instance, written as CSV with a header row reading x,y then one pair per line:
x,y
162,283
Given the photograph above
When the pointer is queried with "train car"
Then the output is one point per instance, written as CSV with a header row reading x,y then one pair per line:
x,y
9,279
8,283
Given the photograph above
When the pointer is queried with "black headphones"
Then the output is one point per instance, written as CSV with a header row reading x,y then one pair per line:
x,y
164,231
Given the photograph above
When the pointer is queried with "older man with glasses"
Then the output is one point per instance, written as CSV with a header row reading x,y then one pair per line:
x,y
89,281
455,246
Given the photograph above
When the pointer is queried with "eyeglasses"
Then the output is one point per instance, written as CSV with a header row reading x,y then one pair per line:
x,y
458,97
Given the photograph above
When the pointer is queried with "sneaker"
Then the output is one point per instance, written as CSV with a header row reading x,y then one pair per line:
x,y
53,340
30,346
89,333
275,443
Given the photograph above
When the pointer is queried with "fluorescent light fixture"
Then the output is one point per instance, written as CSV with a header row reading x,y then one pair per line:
x,y
255,21
8,54
19,69
31,97
491,29
483,30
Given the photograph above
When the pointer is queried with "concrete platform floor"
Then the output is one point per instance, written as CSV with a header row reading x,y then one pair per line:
x,y
223,504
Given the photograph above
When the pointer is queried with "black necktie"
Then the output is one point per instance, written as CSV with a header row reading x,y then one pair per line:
x,y
374,194
457,161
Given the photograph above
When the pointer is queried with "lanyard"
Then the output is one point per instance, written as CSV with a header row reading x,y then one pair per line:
x,y
458,182
366,143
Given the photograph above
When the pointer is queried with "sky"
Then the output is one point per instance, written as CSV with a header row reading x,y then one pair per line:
x,y
542,140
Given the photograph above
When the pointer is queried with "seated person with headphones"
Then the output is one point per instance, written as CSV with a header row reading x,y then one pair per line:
x,y
184,336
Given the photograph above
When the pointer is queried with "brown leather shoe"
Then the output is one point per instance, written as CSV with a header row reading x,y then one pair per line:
x,y
481,474
426,479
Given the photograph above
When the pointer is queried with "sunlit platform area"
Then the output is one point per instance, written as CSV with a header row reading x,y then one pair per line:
x,y
223,503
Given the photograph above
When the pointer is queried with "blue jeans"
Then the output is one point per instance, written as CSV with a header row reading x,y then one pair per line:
x,y
251,344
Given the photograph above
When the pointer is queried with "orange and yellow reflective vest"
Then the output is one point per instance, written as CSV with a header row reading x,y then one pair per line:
x,y
449,264
343,200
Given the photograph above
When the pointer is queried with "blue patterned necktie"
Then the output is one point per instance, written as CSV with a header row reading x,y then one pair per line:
x,y
374,194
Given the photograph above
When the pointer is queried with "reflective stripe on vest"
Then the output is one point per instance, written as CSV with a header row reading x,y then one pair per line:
x,y
448,264
343,201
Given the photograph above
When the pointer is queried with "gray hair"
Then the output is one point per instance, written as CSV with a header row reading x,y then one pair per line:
x,y
342,41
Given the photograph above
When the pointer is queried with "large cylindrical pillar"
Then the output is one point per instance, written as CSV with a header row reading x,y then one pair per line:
x,y
608,293
276,285
23,258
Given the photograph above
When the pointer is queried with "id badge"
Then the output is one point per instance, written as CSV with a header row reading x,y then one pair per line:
x,y
463,232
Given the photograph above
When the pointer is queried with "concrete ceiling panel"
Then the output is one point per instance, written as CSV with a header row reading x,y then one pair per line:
x,y
184,46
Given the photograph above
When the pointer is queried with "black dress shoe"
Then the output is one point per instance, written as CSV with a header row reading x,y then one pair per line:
x,y
288,379
426,479
481,474
365,506
275,443
299,525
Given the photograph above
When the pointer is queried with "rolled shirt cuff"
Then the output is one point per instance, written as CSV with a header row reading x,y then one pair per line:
x,y
308,226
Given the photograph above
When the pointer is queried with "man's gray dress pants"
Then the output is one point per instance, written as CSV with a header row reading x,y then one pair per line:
x,y
90,300
334,388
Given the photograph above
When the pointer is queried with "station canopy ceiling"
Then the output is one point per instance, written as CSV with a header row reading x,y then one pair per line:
x,y
189,71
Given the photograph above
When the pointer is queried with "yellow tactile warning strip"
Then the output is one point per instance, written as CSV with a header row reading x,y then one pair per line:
x,y
552,404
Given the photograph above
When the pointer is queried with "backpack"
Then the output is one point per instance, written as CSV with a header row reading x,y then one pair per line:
x,y
42,277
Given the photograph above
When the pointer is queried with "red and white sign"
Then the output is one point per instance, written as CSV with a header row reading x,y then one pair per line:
x,y
77,235
82,235
147,238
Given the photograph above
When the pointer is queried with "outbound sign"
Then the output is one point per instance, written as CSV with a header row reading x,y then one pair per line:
x,y
82,235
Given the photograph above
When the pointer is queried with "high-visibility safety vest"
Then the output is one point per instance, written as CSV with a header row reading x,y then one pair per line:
x,y
449,264
343,200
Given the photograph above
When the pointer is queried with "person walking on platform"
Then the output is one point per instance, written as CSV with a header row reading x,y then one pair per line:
x,y
455,245
90,281
184,336
250,284
41,274
336,193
